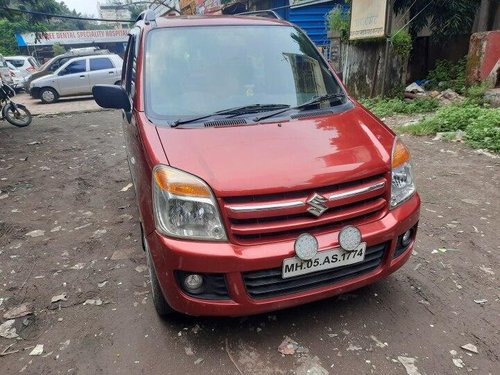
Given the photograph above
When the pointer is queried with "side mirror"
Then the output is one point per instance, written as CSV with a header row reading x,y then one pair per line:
x,y
111,96
62,72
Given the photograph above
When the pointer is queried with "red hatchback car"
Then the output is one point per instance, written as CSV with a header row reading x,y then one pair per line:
x,y
261,184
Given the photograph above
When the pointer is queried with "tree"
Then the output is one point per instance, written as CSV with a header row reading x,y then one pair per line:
x,y
445,18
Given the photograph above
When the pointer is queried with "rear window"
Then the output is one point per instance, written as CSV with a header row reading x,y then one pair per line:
x,y
18,63
101,63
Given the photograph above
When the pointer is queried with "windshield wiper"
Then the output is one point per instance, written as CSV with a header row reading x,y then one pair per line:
x,y
236,111
313,101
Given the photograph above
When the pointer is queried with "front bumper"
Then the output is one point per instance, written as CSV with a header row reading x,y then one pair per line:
x,y
171,255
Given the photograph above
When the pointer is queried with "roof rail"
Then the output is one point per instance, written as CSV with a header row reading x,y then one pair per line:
x,y
147,16
261,13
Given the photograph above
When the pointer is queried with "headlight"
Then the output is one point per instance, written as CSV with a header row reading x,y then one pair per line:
x,y
184,206
402,182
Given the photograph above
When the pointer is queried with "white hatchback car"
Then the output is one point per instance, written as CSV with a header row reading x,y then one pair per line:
x,y
25,64
77,77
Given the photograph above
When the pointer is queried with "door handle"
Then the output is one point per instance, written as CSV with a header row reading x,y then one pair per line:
x,y
111,72
82,76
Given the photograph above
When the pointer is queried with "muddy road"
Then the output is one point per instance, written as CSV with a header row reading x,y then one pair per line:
x,y
69,229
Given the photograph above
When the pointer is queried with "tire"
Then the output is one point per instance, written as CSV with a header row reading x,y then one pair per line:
x,y
162,307
48,95
17,114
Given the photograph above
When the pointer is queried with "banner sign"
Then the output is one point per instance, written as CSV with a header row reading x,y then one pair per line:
x,y
368,19
72,37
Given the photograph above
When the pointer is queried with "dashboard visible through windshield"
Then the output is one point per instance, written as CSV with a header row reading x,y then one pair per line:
x,y
195,71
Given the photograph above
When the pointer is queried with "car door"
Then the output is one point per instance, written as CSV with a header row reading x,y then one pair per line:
x,y
73,78
102,71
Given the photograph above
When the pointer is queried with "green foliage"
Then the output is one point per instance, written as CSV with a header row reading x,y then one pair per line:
x,y
57,49
402,44
477,92
480,123
445,18
339,20
447,75
387,107
484,130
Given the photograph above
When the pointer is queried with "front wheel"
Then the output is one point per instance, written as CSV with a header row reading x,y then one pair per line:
x,y
48,95
17,114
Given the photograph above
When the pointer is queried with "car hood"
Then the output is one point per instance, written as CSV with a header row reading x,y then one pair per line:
x,y
42,79
274,157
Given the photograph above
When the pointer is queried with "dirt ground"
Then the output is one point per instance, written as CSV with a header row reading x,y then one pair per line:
x,y
64,105
68,225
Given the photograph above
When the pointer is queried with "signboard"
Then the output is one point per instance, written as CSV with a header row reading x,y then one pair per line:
x,y
368,19
72,37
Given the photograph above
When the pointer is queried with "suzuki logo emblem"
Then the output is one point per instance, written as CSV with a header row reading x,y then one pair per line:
x,y
317,204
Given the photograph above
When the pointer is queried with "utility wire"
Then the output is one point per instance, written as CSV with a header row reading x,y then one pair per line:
x,y
50,15
411,20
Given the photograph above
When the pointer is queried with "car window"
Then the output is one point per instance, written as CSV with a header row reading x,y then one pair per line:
x,y
101,63
16,62
33,62
3,63
78,66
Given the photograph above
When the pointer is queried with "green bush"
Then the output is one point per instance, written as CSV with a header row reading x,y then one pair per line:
x,y
402,44
480,123
476,92
447,75
484,131
338,20
387,107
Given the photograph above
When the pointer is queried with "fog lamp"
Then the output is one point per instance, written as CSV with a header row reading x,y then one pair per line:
x,y
193,282
405,241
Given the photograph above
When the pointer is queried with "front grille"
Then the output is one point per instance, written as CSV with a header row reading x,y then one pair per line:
x,y
276,217
269,283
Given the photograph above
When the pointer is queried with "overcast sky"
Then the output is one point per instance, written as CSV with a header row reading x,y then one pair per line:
x,y
83,6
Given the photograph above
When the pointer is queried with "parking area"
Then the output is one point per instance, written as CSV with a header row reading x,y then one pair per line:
x,y
64,105
70,250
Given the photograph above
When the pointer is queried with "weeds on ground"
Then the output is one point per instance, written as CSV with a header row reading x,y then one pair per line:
x,y
447,75
388,107
480,123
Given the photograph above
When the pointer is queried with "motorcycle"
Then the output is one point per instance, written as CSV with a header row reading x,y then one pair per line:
x,y
16,114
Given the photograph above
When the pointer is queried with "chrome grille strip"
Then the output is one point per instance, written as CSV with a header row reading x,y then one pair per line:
x,y
352,193
298,203
266,207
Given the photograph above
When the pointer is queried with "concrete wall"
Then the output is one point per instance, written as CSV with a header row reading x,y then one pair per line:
x,y
483,61
362,67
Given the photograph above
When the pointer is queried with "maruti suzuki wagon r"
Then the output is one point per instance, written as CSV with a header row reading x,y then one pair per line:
x,y
261,184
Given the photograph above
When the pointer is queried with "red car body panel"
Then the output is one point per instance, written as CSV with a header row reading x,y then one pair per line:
x,y
265,158
273,157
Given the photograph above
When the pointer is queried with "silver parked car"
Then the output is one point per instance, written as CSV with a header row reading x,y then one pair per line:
x,y
77,77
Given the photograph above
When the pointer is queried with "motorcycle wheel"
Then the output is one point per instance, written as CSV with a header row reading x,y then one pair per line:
x,y
17,115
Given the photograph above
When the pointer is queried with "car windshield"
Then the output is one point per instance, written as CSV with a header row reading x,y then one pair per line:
x,y
193,71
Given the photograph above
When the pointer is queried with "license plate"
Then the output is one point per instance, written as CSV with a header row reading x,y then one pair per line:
x,y
324,260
